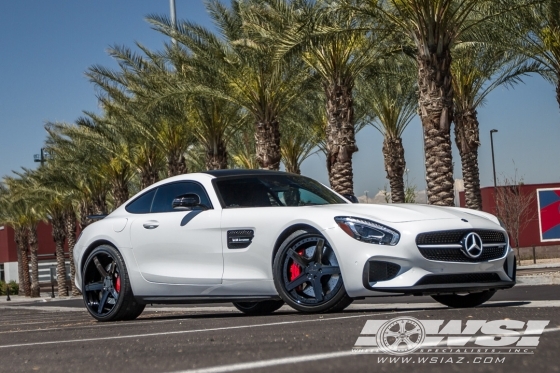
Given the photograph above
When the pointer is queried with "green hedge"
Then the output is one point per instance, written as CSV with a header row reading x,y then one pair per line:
x,y
14,287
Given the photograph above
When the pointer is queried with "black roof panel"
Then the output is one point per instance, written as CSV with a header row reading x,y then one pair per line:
x,y
241,172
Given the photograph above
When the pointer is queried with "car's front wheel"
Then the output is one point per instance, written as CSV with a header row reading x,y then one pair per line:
x,y
307,275
466,300
106,287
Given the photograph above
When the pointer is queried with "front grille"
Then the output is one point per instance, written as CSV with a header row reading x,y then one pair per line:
x,y
456,255
382,271
448,245
455,237
459,278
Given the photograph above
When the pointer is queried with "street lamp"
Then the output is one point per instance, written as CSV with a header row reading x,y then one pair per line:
x,y
40,157
366,192
493,162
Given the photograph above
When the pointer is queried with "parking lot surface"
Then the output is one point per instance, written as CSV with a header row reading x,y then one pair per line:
x,y
59,336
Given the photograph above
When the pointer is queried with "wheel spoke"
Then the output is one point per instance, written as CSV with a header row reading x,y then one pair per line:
x,y
330,270
300,260
402,326
416,330
112,268
115,294
296,282
103,301
319,250
317,289
94,286
391,333
408,342
99,267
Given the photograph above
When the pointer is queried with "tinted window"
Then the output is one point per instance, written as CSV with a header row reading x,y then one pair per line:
x,y
142,204
274,190
167,193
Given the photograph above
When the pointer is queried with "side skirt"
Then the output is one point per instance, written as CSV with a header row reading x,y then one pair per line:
x,y
199,300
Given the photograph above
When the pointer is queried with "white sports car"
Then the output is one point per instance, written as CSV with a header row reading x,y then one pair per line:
x,y
262,238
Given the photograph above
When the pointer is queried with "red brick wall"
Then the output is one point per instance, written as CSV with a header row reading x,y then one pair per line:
x,y
530,236
8,250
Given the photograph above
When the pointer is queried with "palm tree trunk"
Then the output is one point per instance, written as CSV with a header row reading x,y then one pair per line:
x,y
20,236
341,138
33,248
70,231
119,192
267,138
467,140
85,209
20,270
58,225
176,164
148,176
216,155
393,153
436,111
558,88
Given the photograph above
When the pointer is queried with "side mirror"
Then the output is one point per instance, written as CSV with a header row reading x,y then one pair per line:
x,y
188,201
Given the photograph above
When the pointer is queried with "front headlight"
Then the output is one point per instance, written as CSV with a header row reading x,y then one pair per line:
x,y
368,231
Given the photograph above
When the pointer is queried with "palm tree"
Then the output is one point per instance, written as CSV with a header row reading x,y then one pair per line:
x,y
477,69
392,100
17,211
322,40
538,29
305,122
429,30
244,68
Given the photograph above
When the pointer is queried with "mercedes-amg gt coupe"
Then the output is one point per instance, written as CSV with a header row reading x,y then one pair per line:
x,y
260,239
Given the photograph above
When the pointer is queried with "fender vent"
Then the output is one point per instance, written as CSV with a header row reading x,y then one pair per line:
x,y
239,239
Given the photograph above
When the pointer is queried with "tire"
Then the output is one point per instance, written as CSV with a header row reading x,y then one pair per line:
x,y
106,287
259,308
464,301
301,272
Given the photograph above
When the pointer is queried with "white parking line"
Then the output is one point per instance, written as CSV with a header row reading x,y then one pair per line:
x,y
189,331
269,363
282,361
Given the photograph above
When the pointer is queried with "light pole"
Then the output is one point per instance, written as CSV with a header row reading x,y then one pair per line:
x,y
493,161
366,192
173,18
40,157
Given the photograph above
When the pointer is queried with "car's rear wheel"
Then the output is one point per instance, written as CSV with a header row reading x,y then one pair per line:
x,y
259,308
465,300
106,287
307,275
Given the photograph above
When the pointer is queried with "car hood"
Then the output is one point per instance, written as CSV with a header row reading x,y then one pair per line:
x,y
400,213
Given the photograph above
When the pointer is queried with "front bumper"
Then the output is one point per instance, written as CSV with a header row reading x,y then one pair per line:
x,y
408,272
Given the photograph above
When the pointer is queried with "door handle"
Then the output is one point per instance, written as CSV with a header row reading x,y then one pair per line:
x,y
151,225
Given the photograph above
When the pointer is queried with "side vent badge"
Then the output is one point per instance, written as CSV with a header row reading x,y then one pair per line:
x,y
240,239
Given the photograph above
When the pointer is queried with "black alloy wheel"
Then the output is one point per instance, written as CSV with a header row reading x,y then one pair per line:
x,y
106,288
307,275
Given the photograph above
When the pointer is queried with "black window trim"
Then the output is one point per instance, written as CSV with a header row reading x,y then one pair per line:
x,y
211,207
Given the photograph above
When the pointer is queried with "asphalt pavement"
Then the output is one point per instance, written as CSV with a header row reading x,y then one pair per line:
x,y
59,336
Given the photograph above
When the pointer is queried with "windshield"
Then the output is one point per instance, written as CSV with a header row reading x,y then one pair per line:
x,y
273,190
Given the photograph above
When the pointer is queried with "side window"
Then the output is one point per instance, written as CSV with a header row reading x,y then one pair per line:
x,y
142,204
166,193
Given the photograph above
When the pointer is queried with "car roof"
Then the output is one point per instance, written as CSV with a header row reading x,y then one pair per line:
x,y
241,172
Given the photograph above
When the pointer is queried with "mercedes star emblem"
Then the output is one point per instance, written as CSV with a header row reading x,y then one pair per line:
x,y
472,245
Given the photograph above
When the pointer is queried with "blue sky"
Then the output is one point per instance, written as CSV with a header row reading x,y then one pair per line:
x,y
47,45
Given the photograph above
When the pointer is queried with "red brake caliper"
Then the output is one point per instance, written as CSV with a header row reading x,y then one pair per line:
x,y
295,270
118,284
